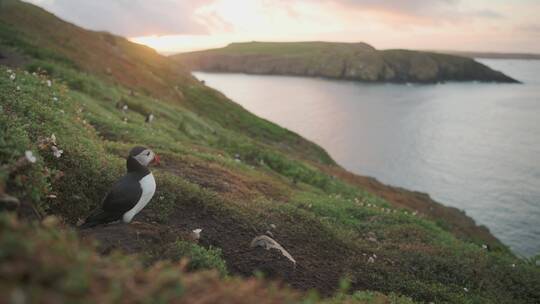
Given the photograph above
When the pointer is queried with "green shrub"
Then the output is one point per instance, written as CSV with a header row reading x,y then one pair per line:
x,y
199,257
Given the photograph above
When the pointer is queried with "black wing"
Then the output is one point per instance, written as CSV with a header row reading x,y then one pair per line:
x,y
124,195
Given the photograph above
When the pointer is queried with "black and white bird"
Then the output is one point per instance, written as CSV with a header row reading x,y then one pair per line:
x,y
131,193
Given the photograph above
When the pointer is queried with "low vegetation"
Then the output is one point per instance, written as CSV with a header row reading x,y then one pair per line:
x,y
63,139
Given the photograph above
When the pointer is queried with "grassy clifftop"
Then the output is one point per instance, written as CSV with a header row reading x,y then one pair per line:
x,y
352,61
224,170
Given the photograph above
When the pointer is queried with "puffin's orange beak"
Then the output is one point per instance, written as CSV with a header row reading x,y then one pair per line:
x,y
156,160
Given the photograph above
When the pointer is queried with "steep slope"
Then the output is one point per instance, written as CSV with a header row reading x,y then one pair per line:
x,y
217,175
351,61
133,66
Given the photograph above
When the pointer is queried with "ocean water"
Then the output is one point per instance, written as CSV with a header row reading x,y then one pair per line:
x,y
474,146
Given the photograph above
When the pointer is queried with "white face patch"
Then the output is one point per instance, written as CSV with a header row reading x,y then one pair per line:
x,y
145,157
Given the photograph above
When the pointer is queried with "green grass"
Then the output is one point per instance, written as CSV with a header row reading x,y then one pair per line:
x,y
276,179
418,258
200,258
309,48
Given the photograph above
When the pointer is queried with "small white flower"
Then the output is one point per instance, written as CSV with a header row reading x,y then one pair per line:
x,y
30,156
484,246
371,260
125,108
49,83
12,76
18,88
466,289
9,71
55,98
513,265
57,152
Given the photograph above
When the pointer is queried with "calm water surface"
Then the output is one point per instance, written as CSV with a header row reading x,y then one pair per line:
x,y
469,145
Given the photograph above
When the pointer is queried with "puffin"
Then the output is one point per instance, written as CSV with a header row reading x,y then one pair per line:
x,y
130,194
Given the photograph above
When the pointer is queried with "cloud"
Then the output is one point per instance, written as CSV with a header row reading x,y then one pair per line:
x,y
421,11
130,17
529,29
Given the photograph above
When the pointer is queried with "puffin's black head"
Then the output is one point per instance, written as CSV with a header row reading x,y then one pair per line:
x,y
144,156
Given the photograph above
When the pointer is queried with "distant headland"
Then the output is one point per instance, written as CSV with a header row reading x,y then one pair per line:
x,y
348,61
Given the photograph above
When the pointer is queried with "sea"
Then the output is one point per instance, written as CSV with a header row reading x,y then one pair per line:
x,y
474,146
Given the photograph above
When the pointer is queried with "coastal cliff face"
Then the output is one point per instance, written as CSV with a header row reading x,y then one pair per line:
x,y
225,171
350,61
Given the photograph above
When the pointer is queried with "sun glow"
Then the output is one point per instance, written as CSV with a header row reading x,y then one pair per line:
x,y
467,27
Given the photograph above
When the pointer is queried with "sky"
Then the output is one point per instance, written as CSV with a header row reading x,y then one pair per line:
x,y
172,26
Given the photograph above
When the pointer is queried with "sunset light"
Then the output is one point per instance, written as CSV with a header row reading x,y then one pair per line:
x,y
179,26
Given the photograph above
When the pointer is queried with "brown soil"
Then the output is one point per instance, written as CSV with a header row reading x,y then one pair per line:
x,y
315,269
224,181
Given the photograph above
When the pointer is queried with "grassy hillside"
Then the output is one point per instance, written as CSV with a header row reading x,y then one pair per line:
x,y
352,61
224,170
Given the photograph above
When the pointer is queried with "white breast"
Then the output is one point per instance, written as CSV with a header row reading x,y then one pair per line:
x,y
148,186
